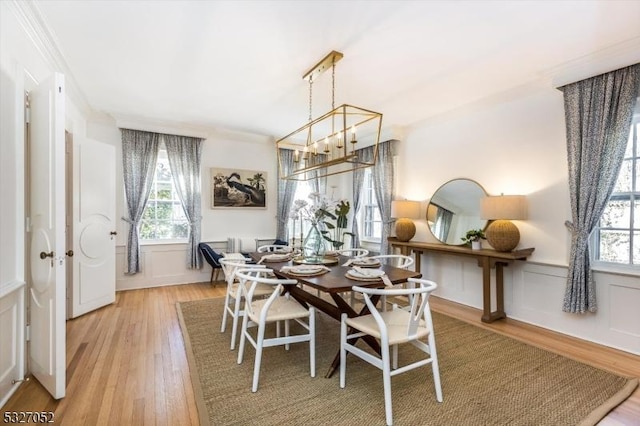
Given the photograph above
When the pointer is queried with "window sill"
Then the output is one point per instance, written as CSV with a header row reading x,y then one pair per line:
x,y
631,271
161,242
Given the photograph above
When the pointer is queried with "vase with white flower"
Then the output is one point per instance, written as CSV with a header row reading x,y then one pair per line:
x,y
320,213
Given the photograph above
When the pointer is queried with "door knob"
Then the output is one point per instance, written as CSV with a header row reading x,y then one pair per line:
x,y
113,233
44,255
70,253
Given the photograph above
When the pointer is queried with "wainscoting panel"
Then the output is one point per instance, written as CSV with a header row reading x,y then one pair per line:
x,y
12,342
625,318
541,291
534,294
162,265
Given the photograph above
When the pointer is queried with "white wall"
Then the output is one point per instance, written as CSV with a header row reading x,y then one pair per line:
x,y
515,144
221,149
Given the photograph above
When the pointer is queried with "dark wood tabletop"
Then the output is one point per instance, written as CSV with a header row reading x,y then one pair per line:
x,y
336,284
336,281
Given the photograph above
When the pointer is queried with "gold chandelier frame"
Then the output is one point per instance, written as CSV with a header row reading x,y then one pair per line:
x,y
326,145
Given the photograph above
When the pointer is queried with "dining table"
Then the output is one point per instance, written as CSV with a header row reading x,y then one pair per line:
x,y
330,289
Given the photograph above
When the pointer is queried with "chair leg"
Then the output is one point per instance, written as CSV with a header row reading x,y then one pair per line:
x,y
258,361
286,334
234,325
343,351
435,368
211,279
225,313
395,356
386,380
245,320
312,341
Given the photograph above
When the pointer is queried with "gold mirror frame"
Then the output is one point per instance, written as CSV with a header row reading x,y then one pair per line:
x,y
454,209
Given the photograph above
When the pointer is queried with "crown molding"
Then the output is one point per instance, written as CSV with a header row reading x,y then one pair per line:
x,y
172,128
30,19
605,60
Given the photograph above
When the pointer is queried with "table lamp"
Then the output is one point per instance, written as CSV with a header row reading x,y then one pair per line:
x,y
403,211
501,234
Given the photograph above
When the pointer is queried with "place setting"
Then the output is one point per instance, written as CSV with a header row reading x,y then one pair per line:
x,y
276,257
365,274
363,262
305,270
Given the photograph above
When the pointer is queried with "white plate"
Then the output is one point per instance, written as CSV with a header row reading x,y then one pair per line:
x,y
365,262
276,257
306,269
367,273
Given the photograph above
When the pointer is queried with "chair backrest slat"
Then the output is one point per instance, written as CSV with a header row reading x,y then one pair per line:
x,y
419,303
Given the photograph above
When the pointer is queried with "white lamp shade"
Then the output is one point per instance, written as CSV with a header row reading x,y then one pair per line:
x,y
405,209
508,207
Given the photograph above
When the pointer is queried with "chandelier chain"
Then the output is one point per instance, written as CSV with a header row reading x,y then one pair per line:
x,y
310,97
333,86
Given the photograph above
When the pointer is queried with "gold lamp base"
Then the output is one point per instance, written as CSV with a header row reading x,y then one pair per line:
x,y
405,229
502,235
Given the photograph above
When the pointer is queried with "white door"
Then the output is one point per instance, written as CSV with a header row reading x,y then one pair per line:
x,y
93,219
47,215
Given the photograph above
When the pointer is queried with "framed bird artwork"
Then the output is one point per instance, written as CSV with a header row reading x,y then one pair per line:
x,y
235,188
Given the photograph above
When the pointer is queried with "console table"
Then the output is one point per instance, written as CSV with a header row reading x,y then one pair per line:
x,y
487,259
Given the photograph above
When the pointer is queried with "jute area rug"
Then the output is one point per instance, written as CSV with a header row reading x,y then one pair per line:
x,y
487,379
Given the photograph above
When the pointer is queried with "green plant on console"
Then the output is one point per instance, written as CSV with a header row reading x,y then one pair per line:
x,y
473,235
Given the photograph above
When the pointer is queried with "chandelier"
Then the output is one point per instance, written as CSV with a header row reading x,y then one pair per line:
x,y
327,145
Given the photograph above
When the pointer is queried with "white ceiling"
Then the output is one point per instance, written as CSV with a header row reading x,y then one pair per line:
x,y
238,64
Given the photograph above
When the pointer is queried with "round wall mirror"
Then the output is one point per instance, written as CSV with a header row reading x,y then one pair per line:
x,y
454,209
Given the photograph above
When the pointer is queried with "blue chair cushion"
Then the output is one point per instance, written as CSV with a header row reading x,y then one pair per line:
x,y
210,255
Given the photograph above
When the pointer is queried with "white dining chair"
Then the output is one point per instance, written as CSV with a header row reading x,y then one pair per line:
x,y
399,261
353,252
392,328
277,307
233,297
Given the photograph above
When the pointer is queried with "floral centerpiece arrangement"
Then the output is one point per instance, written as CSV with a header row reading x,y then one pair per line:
x,y
328,219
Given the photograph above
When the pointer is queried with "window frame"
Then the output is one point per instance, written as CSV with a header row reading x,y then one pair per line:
x,y
163,158
368,200
634,197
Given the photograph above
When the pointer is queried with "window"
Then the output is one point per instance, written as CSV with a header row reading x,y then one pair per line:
x,y
617,237
369,214
163,217
303,189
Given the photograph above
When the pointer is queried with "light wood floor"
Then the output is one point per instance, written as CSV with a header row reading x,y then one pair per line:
x,y
126,363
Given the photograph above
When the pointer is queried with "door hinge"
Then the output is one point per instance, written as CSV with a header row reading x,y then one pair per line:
x,y
27,332
27,224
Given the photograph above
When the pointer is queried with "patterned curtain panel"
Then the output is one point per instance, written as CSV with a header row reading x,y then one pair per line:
x,y
383,178
139,157
319,185
382,175
185,154
286,192
358,181
598,114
